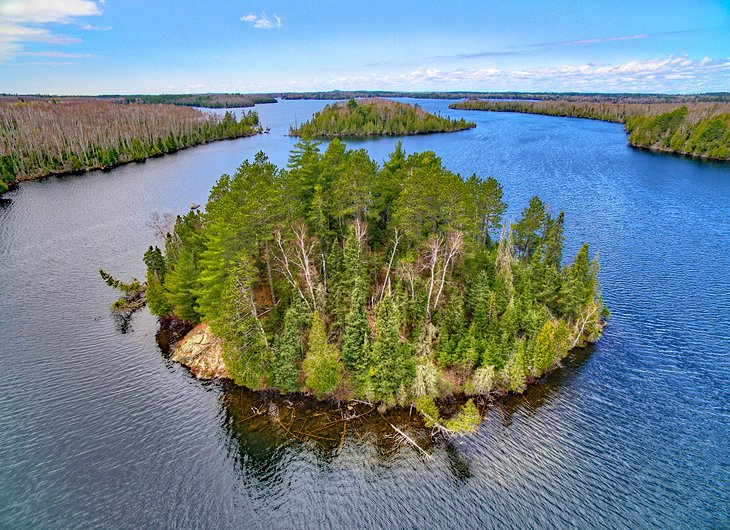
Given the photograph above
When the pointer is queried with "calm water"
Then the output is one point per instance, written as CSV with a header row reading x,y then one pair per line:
x,y
97,429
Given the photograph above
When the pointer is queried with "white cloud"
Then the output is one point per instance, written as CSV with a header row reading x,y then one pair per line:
x,y
668,74
44,11
21,21
91,27
262,21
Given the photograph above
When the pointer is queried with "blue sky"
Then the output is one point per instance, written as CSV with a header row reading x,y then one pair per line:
x,y
155,46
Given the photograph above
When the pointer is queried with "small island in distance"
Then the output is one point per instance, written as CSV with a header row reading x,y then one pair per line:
x,y
375,117
346,280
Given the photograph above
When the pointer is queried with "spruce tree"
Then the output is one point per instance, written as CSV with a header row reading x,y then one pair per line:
x,y
544,349
246,350
554,241
181,284
214,263
528,229
391,366
321,364
356,330
577,288
288,351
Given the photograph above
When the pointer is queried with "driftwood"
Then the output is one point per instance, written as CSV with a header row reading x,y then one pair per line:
x,y
411,441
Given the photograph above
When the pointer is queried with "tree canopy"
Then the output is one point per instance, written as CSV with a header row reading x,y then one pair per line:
x,y
375,117
344,278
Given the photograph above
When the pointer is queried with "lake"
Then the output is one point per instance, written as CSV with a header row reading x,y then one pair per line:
x,y
98,429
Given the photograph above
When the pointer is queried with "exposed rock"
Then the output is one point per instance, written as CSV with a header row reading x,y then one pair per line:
x,y
202,353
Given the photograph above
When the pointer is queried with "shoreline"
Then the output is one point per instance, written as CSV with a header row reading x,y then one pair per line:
x,y
82,171
376,135
656,150
173,332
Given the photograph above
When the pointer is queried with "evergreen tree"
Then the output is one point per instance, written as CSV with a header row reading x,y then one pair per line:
x,y
246,351
354,353
155,292
528,229
391,366
544,349
502,319
517,367
181,284
322,363
578,285
386,188
554,241
215,262
288,351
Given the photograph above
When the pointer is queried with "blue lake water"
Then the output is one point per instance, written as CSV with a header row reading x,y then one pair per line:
x,y
98,429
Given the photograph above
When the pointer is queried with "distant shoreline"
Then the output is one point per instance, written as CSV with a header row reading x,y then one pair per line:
x,y
697,130
116,165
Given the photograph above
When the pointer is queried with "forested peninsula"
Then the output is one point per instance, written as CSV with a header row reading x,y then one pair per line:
x,y
210,101
44,137
375,117
700,129
349,280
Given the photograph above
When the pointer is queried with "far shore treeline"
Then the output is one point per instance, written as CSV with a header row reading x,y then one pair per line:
x,y
43,137
696,128
396,284
375,117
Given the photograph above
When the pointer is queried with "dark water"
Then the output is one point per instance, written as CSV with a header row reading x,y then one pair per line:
x,y
97,429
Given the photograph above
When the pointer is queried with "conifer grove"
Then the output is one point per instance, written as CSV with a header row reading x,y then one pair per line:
x,y
395,283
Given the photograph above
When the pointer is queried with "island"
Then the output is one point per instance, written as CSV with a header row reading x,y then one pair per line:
x,y
375,117
699,128
396,285
53,136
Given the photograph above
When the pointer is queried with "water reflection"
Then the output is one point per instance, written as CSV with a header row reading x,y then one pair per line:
x,y
539,393
262,428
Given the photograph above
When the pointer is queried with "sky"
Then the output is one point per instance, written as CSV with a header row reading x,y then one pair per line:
x,y
162,46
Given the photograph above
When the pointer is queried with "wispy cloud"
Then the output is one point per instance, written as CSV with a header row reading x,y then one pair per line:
x,y
583,42
56,55
554,45
91,27
22,21
262,21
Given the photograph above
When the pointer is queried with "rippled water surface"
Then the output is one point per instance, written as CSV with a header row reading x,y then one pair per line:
x,y
97,429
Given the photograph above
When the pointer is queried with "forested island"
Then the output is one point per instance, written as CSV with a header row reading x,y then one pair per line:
x,y
375,117
42,137
696,128
348,280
